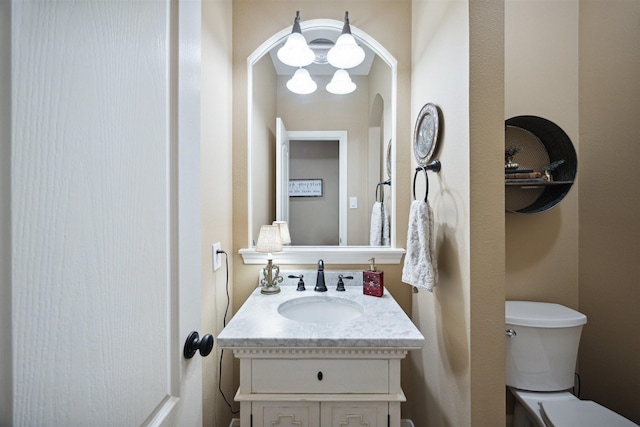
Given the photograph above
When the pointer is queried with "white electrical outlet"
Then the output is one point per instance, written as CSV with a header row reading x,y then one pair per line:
x,y
217,257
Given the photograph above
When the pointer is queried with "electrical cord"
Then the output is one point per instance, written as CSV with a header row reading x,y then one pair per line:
x,y
224,323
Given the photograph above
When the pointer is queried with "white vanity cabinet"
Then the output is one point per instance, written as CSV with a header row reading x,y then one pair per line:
x,y
320,374
320,387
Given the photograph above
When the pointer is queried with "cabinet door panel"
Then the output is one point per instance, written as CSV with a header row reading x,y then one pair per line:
x,y
354,414
286,414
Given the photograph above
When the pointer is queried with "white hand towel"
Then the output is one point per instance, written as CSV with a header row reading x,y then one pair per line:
x,y
420,268
379,234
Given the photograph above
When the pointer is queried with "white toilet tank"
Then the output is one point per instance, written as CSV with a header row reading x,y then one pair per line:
x,y
542,345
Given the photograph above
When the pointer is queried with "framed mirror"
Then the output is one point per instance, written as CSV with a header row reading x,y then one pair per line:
x,y
343,142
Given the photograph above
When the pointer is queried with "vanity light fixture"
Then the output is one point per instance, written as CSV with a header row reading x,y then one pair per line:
x,y
269,241
301,82
345,53
285,236
296,52
341,83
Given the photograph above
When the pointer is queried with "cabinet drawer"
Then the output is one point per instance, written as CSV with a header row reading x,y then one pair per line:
x,y
319,376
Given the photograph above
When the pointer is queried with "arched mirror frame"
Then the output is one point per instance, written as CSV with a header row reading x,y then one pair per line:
x,y
330,254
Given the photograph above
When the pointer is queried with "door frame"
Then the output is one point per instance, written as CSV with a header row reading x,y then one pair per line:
x,y
332,135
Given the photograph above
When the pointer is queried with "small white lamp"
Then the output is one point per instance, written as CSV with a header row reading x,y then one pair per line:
x,y
269,241
285,236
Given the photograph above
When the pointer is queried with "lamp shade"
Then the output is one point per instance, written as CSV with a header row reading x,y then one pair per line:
x,y
346,53
341,83
301,83
269,240
296,52
285,236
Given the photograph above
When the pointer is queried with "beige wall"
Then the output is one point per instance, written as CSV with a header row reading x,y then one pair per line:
x,y
321,111
457,64
216,145
609,249
263,144
541,69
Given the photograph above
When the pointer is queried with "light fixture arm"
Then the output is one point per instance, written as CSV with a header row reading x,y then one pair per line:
x,y
296,23
346,28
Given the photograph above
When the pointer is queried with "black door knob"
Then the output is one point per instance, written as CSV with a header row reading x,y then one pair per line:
x,y
194,343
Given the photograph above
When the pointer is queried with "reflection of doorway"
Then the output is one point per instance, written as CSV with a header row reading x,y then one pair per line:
x,y
312,221
315,220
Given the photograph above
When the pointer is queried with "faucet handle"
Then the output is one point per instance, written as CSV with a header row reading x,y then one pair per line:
x,y
300,282
340,287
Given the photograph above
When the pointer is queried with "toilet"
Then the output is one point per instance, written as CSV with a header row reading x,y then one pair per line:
x,y
541,350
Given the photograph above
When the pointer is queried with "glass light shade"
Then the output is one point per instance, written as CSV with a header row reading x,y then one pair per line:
x,y
341,83
269,240
296,52
301,83
285,236
345,53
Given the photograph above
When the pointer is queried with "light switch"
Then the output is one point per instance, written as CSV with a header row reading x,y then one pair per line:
x,y
353,202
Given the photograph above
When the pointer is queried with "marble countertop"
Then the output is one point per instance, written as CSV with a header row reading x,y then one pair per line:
x,y
259,324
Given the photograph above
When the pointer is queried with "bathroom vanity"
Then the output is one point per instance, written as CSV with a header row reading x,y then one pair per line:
x,y
320,358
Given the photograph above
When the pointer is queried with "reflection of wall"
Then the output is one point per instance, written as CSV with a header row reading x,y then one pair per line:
x,y
379,85
322,110
263,145
315,220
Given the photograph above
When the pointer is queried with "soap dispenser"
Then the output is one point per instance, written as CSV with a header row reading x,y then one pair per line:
x,y
373,280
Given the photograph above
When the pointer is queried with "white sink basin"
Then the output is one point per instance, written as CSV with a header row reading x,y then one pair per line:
x,y
320,309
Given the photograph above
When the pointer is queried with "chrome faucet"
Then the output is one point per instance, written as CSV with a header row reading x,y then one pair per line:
x,y
320,286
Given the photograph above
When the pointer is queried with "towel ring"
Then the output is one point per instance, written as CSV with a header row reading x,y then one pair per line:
x,y
433,166
381,193
381,187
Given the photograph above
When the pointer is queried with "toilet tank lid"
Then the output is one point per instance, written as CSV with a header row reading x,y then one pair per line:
x,y
542,315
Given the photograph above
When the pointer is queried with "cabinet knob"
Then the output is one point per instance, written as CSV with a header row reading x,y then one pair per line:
x,y
320,375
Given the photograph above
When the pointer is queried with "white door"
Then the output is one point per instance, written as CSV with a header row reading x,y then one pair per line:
x,y
282,171
105,212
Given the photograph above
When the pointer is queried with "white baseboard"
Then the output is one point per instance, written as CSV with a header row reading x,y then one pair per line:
x,y
403,423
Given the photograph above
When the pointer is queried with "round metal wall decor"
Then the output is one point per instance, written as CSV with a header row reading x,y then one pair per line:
x,y
425,135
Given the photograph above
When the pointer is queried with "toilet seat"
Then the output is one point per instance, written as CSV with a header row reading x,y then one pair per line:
x,y
580,413
563,409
